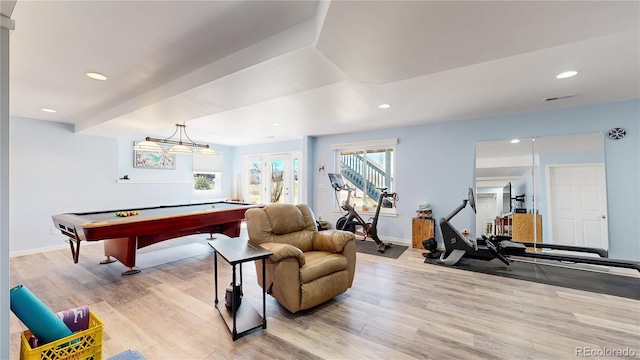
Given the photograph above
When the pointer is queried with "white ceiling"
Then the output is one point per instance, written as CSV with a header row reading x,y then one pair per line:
x,y
231,69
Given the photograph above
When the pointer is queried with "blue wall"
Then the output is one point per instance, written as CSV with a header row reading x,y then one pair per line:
x,y
239,152
65,172
436,164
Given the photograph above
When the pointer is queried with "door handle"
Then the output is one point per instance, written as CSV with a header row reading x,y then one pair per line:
x,y
604,217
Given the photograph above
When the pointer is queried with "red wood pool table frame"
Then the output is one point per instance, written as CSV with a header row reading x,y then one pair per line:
x,y
123,237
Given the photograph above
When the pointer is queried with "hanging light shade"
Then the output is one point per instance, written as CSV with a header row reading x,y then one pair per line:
x,y
180,150
149,146
207,152
180,147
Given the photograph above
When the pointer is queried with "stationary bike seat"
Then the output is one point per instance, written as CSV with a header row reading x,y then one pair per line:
x,y
382,188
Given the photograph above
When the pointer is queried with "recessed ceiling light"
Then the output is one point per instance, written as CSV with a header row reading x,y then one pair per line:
x,y
384,106
275,124
566,74
48,110
96,76
515,141
269,137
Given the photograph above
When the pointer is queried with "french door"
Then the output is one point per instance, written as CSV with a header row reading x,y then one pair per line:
x,y
272,178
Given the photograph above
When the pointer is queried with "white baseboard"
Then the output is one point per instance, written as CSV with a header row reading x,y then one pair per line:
x,y
49,248
397,241
393,240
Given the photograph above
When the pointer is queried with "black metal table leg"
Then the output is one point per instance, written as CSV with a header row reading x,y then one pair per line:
x,y
264,294
234,306
215,273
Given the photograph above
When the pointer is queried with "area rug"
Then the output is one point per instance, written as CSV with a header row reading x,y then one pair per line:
x,y
597,282
370,247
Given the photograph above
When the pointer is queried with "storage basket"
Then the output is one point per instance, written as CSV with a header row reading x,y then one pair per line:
x,y
86,344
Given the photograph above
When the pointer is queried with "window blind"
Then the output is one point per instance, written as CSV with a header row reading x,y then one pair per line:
x,y
208,163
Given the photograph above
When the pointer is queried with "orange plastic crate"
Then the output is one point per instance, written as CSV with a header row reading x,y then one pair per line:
x,y
86,344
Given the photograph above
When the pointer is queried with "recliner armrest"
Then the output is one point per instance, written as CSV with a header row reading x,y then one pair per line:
x,y
331,240
282,251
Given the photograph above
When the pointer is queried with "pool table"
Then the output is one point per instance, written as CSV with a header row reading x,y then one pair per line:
x,y
123,236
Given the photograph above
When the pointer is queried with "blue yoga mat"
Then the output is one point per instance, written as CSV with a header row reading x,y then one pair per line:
x,y
42,322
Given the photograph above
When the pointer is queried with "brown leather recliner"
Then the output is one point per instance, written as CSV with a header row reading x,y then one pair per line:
x,y
307,267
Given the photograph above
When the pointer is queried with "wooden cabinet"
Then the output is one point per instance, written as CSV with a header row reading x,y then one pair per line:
x,y
519,227
422,229
522,227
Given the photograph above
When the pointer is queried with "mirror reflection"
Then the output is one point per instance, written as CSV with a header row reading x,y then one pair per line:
x,y
543,189
571,194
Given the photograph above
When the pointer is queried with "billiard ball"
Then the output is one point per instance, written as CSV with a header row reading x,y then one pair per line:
x,y
127,213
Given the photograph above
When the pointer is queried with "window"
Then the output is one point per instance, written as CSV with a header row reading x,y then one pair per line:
x,y
367,167
207,176
206,181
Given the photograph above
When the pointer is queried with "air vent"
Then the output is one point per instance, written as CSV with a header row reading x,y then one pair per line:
x,y
558,98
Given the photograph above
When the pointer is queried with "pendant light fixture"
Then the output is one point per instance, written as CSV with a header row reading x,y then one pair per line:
x,y
179,147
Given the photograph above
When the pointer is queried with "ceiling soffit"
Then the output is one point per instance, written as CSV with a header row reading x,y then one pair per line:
x,y
386,41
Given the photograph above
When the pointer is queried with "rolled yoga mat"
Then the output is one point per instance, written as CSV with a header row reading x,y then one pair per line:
x,y
42,322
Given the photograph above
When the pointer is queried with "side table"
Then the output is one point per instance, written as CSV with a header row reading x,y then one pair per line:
x,y
237,251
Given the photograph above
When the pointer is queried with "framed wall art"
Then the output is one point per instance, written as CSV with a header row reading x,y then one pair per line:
x,y
153,160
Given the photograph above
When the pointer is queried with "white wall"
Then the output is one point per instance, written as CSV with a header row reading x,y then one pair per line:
x,y
524,186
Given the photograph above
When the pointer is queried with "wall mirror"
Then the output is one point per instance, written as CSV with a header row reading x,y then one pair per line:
x,y
544,189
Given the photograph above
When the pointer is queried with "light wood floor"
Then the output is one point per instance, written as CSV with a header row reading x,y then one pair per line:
x,y
396,309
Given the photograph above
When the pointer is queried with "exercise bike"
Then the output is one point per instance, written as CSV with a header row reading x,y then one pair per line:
x,y
499,247
351,219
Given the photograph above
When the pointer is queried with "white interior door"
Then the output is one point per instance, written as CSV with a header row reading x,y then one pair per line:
x,y
578,205
486,212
